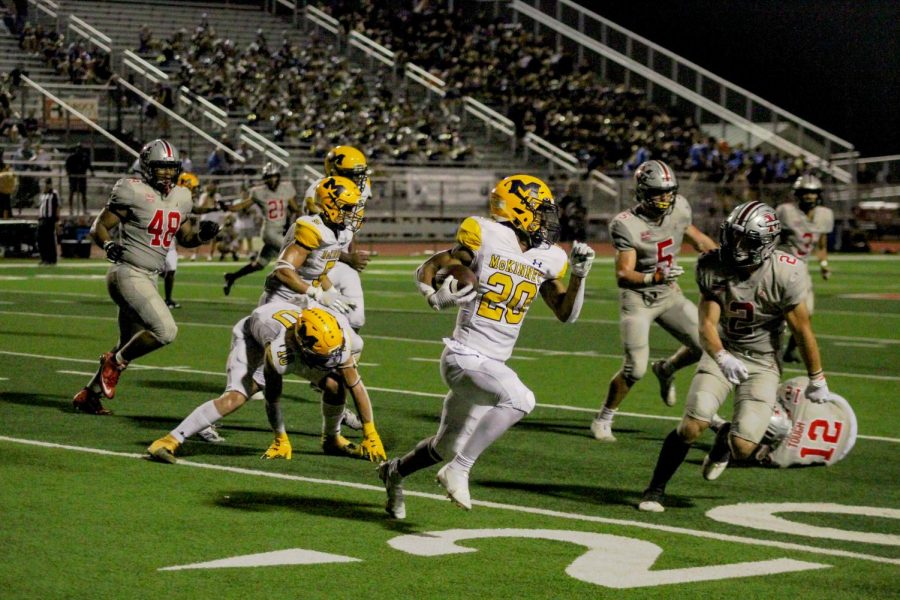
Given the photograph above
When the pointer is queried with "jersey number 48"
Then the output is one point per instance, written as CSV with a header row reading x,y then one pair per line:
x,y
163,227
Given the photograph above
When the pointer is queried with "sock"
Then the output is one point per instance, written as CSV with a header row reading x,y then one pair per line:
x,y
606,414
721,448
203,416
667,368
671,455
276,419
119,359
420,457
492,425
331,418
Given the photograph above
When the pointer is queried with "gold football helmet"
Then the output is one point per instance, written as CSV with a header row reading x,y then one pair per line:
x,y
338,199
347,161
319,338
189,181
527,203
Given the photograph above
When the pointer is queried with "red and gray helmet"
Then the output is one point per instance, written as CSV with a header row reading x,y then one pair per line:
x,y
160,165
749,234
655,187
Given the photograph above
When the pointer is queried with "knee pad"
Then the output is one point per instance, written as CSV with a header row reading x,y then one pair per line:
x,y
632,372
166,333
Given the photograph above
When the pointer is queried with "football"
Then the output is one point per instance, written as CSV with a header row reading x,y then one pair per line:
x,y
463,275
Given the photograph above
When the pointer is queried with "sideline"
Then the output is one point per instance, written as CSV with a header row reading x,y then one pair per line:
x,y
487,504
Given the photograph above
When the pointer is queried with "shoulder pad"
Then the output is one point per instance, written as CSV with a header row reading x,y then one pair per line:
x,y
307,235
469,234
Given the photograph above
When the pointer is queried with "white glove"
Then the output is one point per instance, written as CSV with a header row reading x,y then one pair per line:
x,y
446,296
331,299
817,390
582,257
672,273
732,368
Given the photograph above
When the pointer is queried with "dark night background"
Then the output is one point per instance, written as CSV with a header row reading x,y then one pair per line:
x,y
835,63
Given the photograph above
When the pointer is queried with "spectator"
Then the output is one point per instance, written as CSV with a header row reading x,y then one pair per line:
x,y
78,163
8,183
145,40
572,215
48,221
216,163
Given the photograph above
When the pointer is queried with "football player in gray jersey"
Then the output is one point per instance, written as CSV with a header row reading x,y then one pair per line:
x,y
748,291
805,225
648,239
148,215
277,200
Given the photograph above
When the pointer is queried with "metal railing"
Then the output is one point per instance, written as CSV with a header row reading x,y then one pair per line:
x,y
65,106
96,37
759,120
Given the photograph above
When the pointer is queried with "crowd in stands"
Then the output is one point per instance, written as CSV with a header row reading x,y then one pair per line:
x,y
546,91
309,95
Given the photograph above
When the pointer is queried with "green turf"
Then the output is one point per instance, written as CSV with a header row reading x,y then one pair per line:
x,y
75,524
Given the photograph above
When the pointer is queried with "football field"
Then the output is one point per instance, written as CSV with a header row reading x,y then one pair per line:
x,y
83,516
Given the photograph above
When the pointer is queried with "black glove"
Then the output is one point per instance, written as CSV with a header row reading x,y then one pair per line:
x,y
223,204
114,251
207,230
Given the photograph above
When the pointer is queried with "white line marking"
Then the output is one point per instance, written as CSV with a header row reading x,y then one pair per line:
x,y
500,506
376,389
859,345
544,351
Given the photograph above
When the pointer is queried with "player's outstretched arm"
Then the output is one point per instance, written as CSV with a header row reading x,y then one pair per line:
x,y
372,446
192,234
699,240
800,325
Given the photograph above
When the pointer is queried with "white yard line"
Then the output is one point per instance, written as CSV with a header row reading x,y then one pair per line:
x,y
496,505
372,388
544,351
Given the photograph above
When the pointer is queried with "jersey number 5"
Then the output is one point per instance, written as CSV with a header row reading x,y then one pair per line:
x,y
665,253
163,227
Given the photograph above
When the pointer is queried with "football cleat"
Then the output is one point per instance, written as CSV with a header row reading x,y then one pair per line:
x,y
651,501
172,304
393,485
211,435
350,419
163,449
109,373
716,461
338,445
229,281
456,483
88,402
602,430
666,384
280,448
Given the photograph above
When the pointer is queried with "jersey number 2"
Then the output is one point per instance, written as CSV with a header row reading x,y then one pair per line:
x,y
163,227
